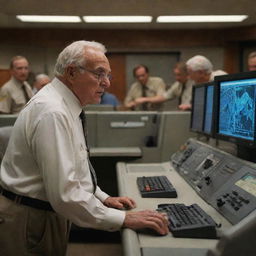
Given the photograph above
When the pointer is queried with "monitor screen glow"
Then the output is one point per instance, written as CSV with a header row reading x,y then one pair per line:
x,y
198,109
208,115
237,108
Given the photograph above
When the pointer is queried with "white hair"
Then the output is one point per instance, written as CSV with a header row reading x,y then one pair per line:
x,y
41,76
75,54
199,62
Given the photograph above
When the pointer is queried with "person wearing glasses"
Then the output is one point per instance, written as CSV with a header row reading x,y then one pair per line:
x,y
16,92
46,178
145,86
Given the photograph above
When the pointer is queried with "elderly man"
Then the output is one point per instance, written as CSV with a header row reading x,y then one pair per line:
x,y
145,86
200,70
46,177
181,89
40,81
252,61
16,92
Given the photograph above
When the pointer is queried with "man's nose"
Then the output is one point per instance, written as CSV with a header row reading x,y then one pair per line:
x,y
105,82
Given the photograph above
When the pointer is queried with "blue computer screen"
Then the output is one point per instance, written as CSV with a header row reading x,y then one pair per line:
x,y
198,109
237,108
208,109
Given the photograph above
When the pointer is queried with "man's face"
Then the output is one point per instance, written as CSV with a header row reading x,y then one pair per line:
x,y
180,76
87,86
141,75
199,76
252,64
20,70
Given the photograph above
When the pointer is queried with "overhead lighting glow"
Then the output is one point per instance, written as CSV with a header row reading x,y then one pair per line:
x,y
48,18
117,19
201,18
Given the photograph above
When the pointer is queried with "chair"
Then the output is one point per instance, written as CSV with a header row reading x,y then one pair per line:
x,y
5,133
238,240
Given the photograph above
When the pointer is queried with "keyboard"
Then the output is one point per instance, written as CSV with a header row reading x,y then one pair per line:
x,y
156,187
189,221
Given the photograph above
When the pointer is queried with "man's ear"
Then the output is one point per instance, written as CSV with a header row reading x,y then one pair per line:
x,y
71,72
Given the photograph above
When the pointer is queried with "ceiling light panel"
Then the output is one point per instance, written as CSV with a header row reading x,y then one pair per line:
x,y
117,19
201,18
49,18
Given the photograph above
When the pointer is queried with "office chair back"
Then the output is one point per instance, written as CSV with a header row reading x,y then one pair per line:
x,y
5,133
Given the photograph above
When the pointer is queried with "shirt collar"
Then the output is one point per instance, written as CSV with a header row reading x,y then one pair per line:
x,y
68,96
17,82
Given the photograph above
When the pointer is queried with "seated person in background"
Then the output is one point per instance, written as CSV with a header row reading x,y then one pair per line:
x,y
40,81
16,92
109,99
181,89
46,178
252,61
145,86
200,70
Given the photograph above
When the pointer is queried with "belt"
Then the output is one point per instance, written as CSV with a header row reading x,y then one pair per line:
x,y
28,201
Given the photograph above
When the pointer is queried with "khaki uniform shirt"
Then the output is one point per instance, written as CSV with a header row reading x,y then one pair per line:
x,y
182,91
217,73
12,98
154,87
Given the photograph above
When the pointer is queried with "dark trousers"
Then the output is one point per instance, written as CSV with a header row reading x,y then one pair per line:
x,y
28,231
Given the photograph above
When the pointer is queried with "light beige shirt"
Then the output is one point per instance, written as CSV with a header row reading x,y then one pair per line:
x,y
47,159
178,90
155,86
217,73
12,99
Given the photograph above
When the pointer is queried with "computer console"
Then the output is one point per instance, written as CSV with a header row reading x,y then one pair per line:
x,y
223,180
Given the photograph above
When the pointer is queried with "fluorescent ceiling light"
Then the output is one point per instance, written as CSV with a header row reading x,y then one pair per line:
x,y
50,18
117,19
201,18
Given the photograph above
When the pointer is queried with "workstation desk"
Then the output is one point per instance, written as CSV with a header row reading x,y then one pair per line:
x,y
148,244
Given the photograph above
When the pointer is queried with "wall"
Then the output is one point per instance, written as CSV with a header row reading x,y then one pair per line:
x,y
41,46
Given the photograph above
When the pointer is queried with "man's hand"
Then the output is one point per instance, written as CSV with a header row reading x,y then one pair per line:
x,y
130,105
140,100
185,107
147,219
120,202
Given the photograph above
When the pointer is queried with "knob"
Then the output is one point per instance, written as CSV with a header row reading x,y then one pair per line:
x,y
207,164
207,180
220,202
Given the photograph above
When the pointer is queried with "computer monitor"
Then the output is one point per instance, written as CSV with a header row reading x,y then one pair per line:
x,y
198,105
209,109
236,98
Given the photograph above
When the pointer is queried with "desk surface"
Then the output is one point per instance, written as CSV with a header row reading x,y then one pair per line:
x,y
138,244
115,151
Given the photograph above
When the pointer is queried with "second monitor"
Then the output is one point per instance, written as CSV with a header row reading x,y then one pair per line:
x,y
203,109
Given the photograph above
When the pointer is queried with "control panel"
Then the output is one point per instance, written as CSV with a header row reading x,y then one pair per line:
x,y
223,180
184,153
237,198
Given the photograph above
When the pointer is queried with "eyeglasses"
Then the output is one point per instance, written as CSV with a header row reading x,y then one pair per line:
x,y
100,75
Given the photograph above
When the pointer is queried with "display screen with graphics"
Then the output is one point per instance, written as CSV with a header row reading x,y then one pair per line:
x,y
248,183
237,108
